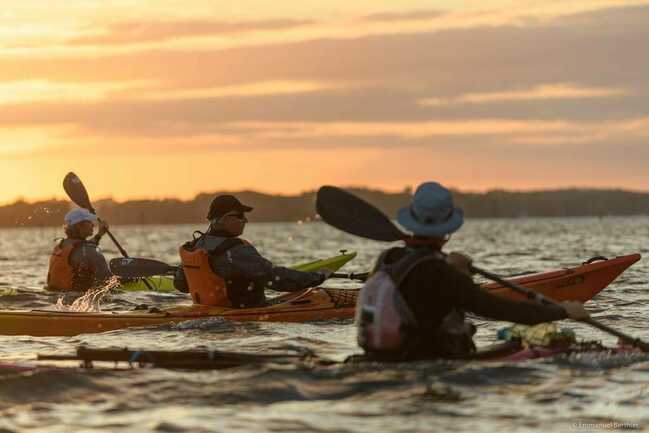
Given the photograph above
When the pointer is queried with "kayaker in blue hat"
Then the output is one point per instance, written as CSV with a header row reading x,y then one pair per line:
x,y
413,305
76,263
221,269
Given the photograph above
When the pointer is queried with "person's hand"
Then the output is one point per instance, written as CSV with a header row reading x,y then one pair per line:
x,y
461,262
103,228
326,273
575,310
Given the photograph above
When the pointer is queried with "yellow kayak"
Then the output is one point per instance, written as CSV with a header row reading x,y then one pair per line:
x,y
166,284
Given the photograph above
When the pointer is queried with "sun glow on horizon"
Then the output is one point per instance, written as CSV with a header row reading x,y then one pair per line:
x,y
195,97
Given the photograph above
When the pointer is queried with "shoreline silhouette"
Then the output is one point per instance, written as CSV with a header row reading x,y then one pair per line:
x,y
571,202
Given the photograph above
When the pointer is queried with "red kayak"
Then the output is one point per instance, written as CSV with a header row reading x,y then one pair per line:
x,y
509,351
580,283
514,351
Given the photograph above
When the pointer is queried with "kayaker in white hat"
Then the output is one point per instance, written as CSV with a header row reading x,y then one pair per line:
x,y
413,305
221,269
76,263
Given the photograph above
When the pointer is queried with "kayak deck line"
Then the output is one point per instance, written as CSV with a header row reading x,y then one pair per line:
x,y
185,359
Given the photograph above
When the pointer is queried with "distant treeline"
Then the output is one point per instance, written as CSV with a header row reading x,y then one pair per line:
x,y
274,208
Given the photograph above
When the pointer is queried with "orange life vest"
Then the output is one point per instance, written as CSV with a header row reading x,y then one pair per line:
x,y
205,286
61,275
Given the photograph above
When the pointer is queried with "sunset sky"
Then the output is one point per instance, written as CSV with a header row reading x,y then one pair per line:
x,y
171,98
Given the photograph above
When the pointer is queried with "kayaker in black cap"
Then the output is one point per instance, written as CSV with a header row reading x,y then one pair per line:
x,y
221,269
413,305
76,263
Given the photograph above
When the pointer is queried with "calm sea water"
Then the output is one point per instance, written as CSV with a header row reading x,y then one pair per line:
x,y
579,393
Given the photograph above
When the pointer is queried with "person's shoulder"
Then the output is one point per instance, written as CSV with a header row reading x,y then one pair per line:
x,y
433,263
243,247
237,243
89,246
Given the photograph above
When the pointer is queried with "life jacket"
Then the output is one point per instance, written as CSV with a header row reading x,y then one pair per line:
x,y
387,325
62,277
205,286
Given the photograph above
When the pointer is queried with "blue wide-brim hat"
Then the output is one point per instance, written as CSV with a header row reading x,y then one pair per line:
x,y
431,212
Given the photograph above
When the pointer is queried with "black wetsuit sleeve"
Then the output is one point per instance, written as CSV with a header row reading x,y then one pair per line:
x,y
290,280
246,261
180,280
470,297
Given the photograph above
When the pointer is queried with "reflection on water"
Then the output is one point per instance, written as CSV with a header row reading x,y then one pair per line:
x,y
548,395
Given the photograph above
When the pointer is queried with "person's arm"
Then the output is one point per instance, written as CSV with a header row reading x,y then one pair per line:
x,y
103,229
470,297
180,281
247,262
290,280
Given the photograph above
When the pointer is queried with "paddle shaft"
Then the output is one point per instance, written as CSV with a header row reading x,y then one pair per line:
x,y
360,277
123,252
117,244
531,294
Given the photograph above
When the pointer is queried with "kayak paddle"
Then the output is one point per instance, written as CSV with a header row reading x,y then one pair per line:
x,y
79,195
353,215
136,267
353,276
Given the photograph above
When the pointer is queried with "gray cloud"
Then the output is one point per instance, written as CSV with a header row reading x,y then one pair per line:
x,y
588,48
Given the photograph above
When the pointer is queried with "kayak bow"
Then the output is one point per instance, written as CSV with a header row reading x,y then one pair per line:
x,y
581,283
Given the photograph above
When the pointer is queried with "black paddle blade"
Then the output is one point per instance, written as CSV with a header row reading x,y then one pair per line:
x,y
77,191
139,268
353,215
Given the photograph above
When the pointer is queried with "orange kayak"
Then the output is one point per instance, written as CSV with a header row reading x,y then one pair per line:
x,y
307,305
580,283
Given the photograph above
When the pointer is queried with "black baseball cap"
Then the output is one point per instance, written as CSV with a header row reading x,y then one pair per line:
x,y
223,204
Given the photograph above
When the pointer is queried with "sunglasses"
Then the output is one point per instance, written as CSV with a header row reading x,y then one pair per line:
x,y
238,215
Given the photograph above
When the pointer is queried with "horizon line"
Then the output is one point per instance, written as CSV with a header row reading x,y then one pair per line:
x,y
63,197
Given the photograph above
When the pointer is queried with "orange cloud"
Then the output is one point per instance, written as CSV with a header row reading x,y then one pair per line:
x,y
156,31
541,92
404,16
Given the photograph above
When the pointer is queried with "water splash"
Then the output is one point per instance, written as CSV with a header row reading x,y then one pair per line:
x,y
90,302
